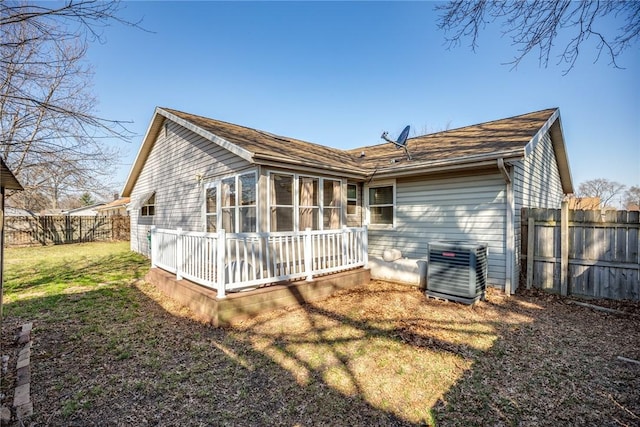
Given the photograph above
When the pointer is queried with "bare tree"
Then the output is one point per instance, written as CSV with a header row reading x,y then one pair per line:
x,y
543,24
50,133
632,197
603,188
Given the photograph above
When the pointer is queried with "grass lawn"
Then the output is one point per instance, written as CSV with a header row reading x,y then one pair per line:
x,y
110,350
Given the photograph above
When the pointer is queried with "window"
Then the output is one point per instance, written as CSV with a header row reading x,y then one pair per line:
x,y
149,206
211,209
281,202
331,190
299,202
381,205
309,204
231,204
352,199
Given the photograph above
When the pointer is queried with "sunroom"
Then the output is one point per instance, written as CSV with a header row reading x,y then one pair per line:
x,y
263,226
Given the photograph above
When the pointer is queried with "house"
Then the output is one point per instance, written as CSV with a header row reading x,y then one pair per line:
x,y
91,210
11,211
201,174
8,181
114,208
584,203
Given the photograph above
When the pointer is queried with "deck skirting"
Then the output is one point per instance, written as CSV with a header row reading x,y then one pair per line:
x,y
235,306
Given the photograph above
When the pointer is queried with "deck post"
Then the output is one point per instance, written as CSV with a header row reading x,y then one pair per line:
x,y
365,246
153,242
220,255
308,254
345,246
179,256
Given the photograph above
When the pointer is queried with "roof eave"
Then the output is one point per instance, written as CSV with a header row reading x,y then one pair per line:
x,y
281,162
159,116
459,163
7,179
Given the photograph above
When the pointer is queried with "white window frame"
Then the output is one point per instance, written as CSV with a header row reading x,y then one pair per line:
x,y
296,197
367,206
236,208
146,206
349,184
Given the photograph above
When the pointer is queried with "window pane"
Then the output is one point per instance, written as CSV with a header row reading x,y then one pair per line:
x,y
331,218
331,196
228,192
212,206
152,210
282,219
308,192
352,191
228,222
351,207
247,220
309,218
382,215
212,223
248,189
282,190
381,196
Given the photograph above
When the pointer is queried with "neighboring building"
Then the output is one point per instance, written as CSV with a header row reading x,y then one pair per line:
x,y
10,211
91,210
584,203
469,183
115,208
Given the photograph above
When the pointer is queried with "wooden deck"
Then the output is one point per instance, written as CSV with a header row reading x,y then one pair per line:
x,y
204,302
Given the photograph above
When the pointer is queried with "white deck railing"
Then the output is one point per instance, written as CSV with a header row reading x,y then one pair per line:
x,y
233,261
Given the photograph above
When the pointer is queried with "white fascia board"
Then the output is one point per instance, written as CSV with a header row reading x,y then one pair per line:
x,y
143,153
238,151
531,145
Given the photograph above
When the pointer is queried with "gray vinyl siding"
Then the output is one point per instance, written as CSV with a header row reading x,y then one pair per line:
x,y
536,184
448,208
170,170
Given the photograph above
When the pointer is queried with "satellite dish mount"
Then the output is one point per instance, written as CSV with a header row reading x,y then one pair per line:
x,y
401,142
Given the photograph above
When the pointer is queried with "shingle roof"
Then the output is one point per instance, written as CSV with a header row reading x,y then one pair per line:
x,y
462,147
266,145
499,137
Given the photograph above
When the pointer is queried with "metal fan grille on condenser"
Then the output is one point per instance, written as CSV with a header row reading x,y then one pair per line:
x,y
457,270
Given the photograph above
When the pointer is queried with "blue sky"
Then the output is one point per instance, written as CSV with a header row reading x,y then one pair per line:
x,y
340,73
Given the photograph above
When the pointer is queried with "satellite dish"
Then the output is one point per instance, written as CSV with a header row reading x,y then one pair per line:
x,y
401,142
402,139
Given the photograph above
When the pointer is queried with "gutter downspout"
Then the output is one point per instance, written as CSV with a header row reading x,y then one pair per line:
x,y
510,241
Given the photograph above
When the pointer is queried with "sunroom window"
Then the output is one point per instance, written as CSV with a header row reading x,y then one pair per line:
x,y
298,202
331,190
281,202
309,204
231,204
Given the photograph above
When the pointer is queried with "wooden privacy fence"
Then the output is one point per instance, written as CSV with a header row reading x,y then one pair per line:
x,y
585,253
57,230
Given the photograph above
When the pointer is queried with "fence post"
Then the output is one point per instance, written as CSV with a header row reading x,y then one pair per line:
x,y
179,254
220,255
308,254
531,247
564,249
